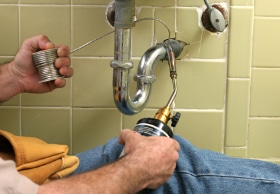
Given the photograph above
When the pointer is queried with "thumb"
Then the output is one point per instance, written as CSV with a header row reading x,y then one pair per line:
x,y
40,42
125,135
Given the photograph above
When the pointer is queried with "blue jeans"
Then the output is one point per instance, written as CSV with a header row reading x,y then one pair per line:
x,y
199,171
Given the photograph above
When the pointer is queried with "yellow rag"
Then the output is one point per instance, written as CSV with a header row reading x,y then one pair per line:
x,y
36,159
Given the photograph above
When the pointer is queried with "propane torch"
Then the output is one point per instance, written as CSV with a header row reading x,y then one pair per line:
x,y
157,126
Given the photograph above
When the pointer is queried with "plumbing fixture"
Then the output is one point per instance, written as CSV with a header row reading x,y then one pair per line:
x,y
124,20
110,13
157,126
144,76
214,18
169,49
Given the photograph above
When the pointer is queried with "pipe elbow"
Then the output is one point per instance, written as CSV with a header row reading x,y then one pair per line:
x,y
144,78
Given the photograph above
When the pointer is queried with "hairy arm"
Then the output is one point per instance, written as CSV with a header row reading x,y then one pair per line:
x,y
118,177
8,86
148,163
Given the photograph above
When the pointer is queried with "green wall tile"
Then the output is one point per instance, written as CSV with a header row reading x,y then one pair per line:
x,y
267,8
45,2
53,21
91,2
236,152
242,2
266,43
9,29
58,97
167,15
49,124
155,3
263,141
14,101
143,32
237,112
93,127
203,129
265,93
10,119
201,84
240,55
198,3
213,45
92,83
89,23
8,1
187,17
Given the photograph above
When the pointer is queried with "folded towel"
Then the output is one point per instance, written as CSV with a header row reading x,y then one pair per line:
x,y
36,159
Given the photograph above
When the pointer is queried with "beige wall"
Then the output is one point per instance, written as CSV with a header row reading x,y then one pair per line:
x,y
229,83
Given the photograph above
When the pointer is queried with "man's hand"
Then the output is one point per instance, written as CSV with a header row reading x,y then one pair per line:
x,y
25,73
156,156
148,163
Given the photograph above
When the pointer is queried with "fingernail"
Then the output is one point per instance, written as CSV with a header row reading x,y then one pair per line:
x,y
50,45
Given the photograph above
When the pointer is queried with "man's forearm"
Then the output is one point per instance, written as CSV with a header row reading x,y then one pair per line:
x,y
148,163
9,87
123,177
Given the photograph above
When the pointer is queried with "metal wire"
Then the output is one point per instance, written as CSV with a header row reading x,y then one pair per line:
x,y
44,61
88,43
158,20
104,35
